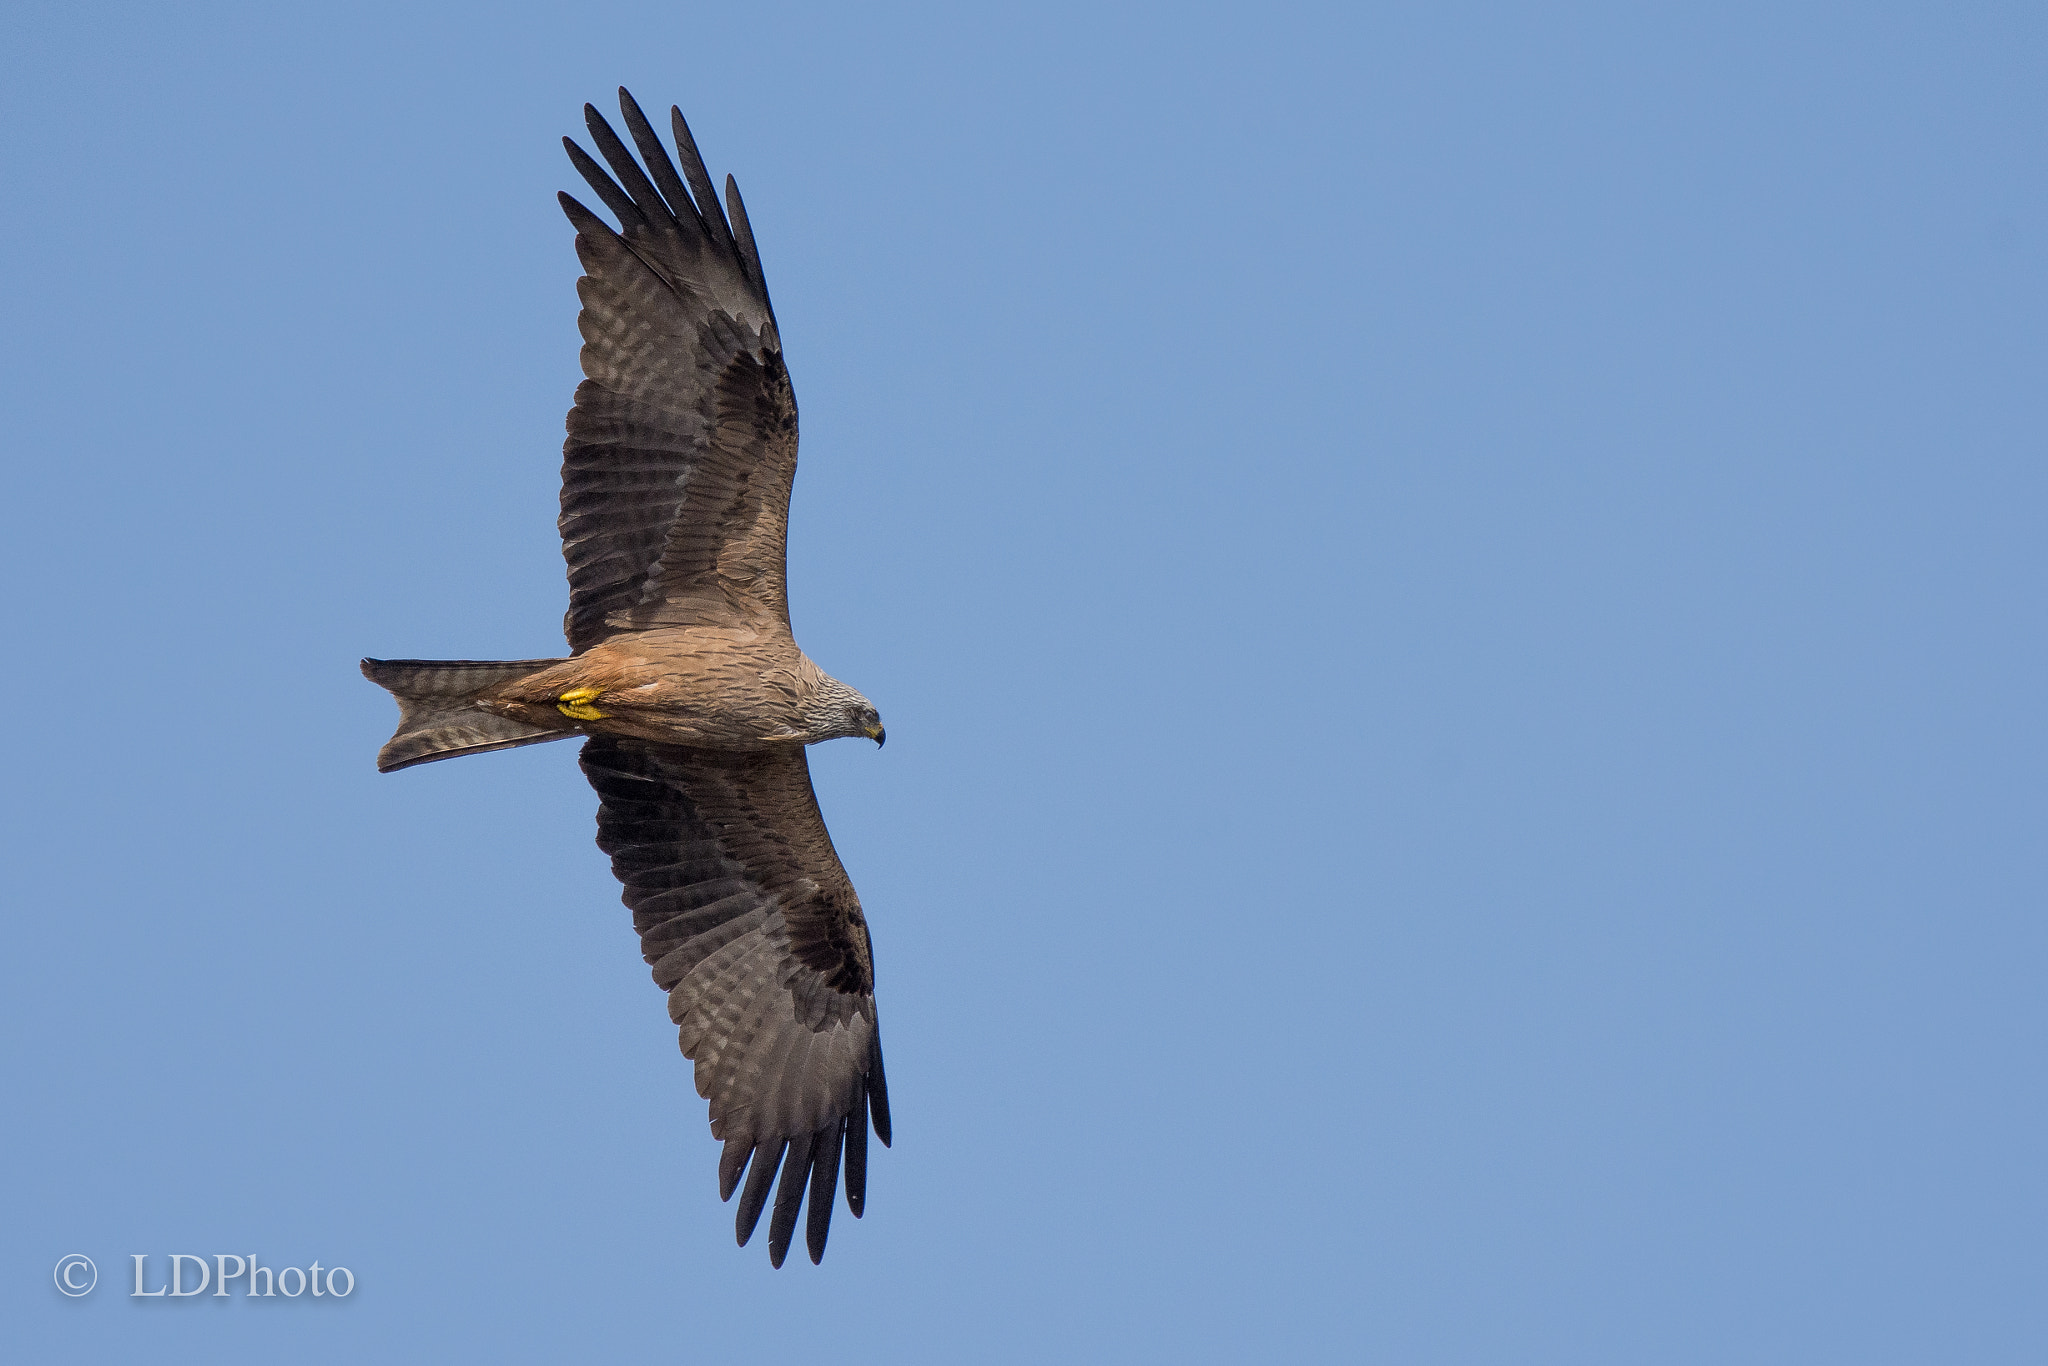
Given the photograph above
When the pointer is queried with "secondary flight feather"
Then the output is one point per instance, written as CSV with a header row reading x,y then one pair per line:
x,y
693,698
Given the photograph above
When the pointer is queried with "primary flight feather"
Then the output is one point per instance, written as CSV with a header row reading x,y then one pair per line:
x,y
682,674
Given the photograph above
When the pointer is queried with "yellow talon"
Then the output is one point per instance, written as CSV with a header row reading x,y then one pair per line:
x,y
576,703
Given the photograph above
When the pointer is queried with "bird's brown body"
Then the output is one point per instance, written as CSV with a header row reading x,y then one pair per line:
x,y
742,686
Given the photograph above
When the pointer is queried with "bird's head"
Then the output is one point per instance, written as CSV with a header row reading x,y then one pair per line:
x,y
839,712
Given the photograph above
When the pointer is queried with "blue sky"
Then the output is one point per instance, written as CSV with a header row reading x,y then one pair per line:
x,y
1457,593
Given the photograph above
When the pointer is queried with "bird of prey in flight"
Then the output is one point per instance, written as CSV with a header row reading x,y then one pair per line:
x,y
693,698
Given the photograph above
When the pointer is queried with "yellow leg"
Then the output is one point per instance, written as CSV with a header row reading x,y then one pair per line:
x,y
576,702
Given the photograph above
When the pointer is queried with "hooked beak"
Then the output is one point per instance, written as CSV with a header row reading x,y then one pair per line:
x,y
877,734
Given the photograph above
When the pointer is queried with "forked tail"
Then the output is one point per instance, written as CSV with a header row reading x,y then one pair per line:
x,y
438,716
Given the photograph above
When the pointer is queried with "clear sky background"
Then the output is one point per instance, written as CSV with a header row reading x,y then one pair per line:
x,y
1458,597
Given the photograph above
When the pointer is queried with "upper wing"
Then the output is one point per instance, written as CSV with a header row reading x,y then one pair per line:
x,y
682,443
756,934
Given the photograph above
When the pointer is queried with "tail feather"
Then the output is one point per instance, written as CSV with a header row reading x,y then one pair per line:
x,y
438,716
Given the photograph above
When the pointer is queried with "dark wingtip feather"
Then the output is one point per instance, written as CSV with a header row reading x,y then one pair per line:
x,y
743,232
648,200
857,1157
767,1157
878,1094
617,200
580,216
731,1163
700,183
824,1176
789,1195
659,166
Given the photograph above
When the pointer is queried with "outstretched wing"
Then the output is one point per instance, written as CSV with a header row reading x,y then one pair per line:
x,y
756,934
682,443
